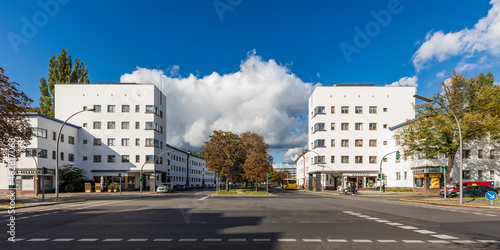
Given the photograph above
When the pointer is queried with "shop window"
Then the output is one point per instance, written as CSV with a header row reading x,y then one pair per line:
x,y
418,180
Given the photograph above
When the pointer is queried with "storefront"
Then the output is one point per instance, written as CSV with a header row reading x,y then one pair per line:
x,y
361,180
30,181
427,179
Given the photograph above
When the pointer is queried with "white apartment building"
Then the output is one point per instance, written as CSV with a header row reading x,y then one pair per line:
x,y
42,153
349,133
187,169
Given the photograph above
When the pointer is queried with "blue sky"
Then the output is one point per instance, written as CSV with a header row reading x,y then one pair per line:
x,y
299,41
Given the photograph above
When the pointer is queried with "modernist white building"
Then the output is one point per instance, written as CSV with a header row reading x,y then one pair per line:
x,y
349,133
123,136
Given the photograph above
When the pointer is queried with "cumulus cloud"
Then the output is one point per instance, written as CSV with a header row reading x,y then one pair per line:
x,y
292,154
405,81
440,75
483,37
263,97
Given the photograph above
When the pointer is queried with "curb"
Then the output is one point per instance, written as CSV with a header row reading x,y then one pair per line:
x,y
448,204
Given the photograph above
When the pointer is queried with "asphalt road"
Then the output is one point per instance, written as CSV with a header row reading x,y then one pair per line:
x,y
294,219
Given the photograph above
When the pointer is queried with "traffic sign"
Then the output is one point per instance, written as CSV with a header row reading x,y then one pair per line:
x,y
491,195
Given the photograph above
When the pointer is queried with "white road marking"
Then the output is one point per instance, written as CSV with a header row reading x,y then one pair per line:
x,y
190,240
386,241
413,241
373,218
312,240
362,216
444,237
112,240
64,239
212,239
336,240
237,240
477,213
424,231
438,241
162,240
287,240
203,198
261,239
88,239
382,221
394,224
490,215
362,241
407,227
464,241
489,241
138,239
39,239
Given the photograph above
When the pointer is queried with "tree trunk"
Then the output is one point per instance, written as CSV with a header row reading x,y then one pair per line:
x,y
227,185
449,168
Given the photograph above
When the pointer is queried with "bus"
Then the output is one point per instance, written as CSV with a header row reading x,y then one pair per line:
x,y
289,183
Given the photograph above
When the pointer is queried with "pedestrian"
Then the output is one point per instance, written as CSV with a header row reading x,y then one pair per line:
x,y
383,187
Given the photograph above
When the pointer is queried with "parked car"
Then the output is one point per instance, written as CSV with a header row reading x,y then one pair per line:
x,y
455,187
197,186
182,187
473,191
165,188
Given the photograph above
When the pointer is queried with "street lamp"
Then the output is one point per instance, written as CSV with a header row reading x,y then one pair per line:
x,y
425,99
323,173
57,150
154,162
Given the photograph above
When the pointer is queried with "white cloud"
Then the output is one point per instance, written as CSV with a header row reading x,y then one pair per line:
x,y
405,81
292,154
440,75
262,97
483,37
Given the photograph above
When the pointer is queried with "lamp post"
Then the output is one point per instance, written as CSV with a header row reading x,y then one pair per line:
x,y
323,173
425,99
57,150
154,162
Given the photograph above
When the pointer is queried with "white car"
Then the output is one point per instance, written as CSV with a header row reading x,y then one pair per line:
x,y
165,188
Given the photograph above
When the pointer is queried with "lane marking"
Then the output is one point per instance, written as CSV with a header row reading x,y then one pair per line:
x,y
424,231
138,239
261,239
373,218
394,224
88,239
63,239
444,237
39,239
203,198
439,241
386,241
336,240
407,227
312,240
362,241
190,240
464,241
490,215
287,240
489,241
162,240
112,239
477,213
212,239
237,240
383,221
413,241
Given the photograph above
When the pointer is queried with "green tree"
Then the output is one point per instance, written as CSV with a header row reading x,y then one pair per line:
x,y
72,178
224,154
15,129
435,132
257,161
61,70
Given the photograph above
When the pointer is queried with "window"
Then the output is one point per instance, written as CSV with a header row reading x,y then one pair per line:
x,y
137,125
125,142
466,174
111,141
466,154
71,157
111,108
97,125
150,158
319,159
125,125
358,143
332,126
54,155
373,159
480,153
111,158
373,126
84,124
492,174
385,142
373,109
319,143
85,158
480,175
319,127
344,110
406,175
54,136
385,125
332,159
137,108
149,142
373,142
344,126
492,154
150,125
137,141
30,152
385,109
358,110
384,160
344,159
39,132
125,108
62,137
84,141
358,159
71,140
111,125
62,156
125,158
332,109
319,110
150,108
358,126
97,141
161,114
398,175
137,158
344,143
97,108
332,143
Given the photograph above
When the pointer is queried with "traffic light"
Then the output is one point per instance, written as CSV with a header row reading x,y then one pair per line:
x,y
141,177
167,161
268,175
383,175
397,155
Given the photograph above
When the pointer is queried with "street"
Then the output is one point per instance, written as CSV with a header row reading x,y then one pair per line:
x,y
293,219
